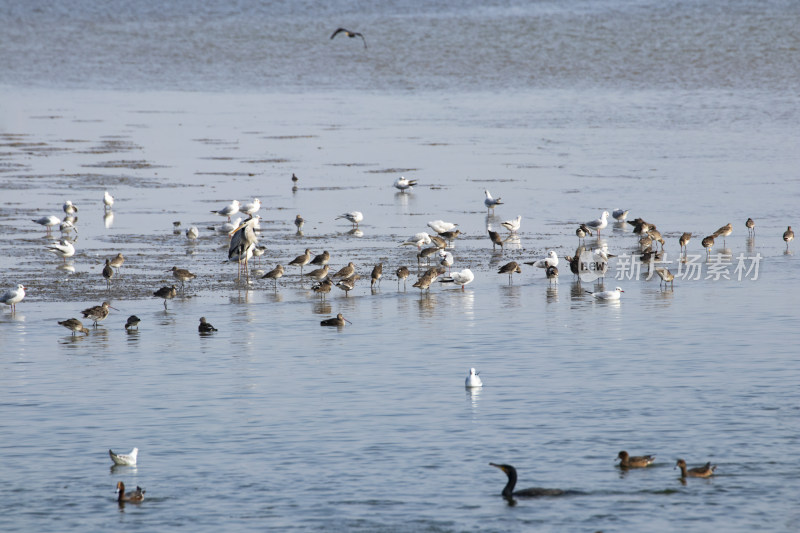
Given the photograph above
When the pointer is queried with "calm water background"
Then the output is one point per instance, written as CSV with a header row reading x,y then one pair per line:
x,y
683,112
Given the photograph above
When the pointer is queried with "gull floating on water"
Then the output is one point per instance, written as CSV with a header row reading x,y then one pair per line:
x,y
607,295
512,225
13,296
473,380
229,210
353,216
108,200
124,459
490,202
440,226
404,184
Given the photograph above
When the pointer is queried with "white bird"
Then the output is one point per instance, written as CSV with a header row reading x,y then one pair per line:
x,y
599,223
63,249
230,227
620,214
490,202
446,259
48,221
403,184
108,200
607,295
13,296
250,208
462,278
440,226
353,216
192,233
124,459
550,260
473,380
417,240
67,226
69,208
512,225
229,210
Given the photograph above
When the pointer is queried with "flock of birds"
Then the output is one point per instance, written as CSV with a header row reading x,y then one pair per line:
x,y
430,245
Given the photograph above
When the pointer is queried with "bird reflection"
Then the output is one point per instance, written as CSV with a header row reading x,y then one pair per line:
x,y
108,219
356,232
322,307
552,295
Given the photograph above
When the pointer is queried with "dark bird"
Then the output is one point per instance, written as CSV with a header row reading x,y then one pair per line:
x,y
204,326
133,322
402,273
350,34
167,293
323,287
700,471
639,461
377,272
751,226
552,273
509,493
684,241
134,496
181,274
708,243
98,313
321,259
74,325
108,273
496,240
510,269
788,236
338,321
276,273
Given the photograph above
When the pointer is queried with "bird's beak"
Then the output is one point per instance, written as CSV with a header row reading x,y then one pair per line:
x,y
347,321
114,308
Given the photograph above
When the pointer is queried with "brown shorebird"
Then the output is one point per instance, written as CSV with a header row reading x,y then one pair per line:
x,y
666,277
167,293
323,287
301,260
496,240
751,227
318,274
133,322
108,273
450,235
684,240
724,231
424,282
708,243
402,273
276,273
788,236
346,285
299,222
438,241
321,259
117,261
655,236
98,313
204,326
510,269
377,272
645,242
75,325
640,461
346,272
640,226
582,231
338,321
426,254
350,34
701,471
181,274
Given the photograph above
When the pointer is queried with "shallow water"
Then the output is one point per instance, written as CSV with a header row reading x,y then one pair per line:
x,y
276,422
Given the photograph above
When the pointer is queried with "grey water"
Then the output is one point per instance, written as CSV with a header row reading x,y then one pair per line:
x,y
683,112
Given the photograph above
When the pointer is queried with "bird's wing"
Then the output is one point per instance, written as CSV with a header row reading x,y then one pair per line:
x,y
337,32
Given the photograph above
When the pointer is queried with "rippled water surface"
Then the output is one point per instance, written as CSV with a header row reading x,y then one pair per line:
x,y
684,114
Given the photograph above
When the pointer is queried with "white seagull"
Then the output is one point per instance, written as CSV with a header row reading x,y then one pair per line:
x,y
440,226
63,249
192,233
404,184
229,227
620,214
462,278
13,296
473,380
599,223
124,459
607,295
229,210
48,221
353,216
108,200
69,208
417,240
250,208
446,259
550,261
512,225
490,202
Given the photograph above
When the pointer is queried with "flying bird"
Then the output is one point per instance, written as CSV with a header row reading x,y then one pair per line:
x,y
350,34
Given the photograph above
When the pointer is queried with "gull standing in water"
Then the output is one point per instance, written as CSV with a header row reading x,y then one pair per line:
x,y
13,296
192,233
465,277
74,325
353,216
550,260
63,249
620,214
607,295
229,210
48,222
69,208
599,223
243,242
512,225
250,208
440,226
473,380
404,184
490,202
108,201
